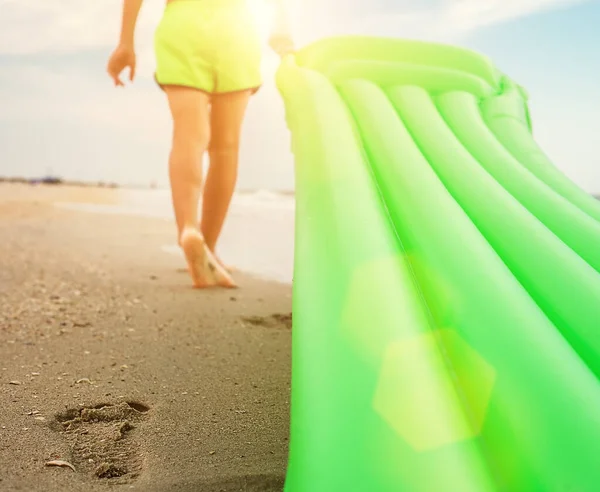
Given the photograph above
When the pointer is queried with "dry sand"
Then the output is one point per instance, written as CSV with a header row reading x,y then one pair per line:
x,y
111,362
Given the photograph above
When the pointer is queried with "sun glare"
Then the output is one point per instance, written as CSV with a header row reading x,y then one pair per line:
x,y
263,13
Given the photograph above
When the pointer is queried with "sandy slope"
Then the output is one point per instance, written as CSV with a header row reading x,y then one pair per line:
x,y
110,361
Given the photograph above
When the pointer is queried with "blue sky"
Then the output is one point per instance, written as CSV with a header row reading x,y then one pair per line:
x,y
59,112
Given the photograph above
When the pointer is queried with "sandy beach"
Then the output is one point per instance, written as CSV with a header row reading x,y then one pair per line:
x,y
112,363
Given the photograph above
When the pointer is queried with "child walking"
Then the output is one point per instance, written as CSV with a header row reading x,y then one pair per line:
x,y
208,55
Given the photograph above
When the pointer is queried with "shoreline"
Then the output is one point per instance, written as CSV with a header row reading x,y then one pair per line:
x,y
57,181
258,236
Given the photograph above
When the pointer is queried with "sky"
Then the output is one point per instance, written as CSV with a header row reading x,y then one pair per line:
x,y
61,115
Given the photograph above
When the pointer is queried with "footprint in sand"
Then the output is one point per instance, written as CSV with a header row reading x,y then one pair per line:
x,y
102,440
281,321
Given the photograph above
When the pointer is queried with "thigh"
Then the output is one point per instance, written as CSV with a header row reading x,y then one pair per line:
x,y
226,117
190,112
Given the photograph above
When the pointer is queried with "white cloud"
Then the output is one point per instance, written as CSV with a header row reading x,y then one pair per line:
x,y
447,20
469,15
34,26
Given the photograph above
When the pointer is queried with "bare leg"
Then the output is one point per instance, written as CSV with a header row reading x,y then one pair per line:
x,y
191,134
227,113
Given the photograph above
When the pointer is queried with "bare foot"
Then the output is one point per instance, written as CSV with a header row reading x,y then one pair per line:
x,y
204,269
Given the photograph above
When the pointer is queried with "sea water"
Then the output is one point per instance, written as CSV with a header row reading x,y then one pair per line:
x,y
258,236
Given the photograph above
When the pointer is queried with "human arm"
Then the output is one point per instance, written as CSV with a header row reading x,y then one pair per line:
x,y
124,54
131,10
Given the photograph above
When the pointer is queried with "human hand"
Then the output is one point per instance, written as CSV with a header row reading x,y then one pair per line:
x,y
282,44
122,57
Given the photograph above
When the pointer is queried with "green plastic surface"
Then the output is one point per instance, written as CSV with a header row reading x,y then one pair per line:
x,y
446,302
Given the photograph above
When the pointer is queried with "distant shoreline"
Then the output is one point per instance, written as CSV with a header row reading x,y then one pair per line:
x,y
53,180
57,181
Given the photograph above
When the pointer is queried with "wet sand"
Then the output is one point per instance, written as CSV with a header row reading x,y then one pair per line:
x,y
110,361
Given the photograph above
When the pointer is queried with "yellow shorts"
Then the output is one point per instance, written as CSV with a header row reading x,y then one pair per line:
x,y
210,45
